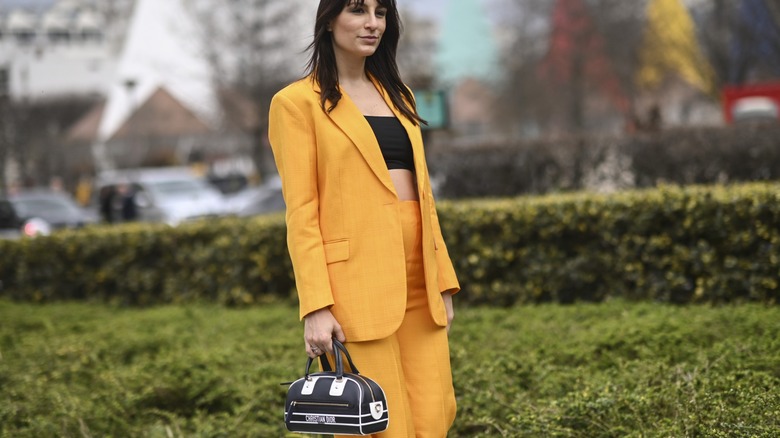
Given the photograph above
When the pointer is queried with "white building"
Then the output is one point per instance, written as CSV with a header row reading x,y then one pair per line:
x,y
69,48
129,53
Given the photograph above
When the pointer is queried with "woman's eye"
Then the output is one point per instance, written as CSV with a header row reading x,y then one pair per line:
x,y
357,10
381,14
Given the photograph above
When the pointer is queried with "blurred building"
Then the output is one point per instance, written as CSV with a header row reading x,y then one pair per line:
x,y
54,57
163,131
467,66
417,43
69,47
142,63
159,75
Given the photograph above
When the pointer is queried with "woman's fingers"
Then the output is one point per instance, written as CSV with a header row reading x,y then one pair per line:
x,y
314,351
320,327
447,297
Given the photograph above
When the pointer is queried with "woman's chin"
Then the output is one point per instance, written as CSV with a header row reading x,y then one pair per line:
x,y
367,51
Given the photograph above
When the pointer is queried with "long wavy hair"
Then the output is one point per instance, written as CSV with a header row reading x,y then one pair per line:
x,y
381,65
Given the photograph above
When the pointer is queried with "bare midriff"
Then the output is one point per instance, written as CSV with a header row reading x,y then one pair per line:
x,y
405,184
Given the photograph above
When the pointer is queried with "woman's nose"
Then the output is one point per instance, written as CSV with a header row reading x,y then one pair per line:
x,y
372,22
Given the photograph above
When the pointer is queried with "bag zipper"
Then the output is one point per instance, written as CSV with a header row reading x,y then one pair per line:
x,y
307,403
373,399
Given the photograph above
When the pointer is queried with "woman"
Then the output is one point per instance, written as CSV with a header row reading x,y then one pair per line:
x,y
371,266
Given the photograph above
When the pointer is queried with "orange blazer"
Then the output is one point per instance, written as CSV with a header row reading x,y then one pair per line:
x,y
343,217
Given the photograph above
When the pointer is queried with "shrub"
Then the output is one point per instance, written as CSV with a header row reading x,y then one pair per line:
x,y
616,369
696,244
230,261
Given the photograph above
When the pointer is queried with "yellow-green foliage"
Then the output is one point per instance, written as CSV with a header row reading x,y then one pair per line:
x,y
615,369
230,261
695,244
670,244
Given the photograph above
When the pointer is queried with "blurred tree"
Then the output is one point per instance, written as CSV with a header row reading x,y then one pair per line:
x,y
525,107
774,9
716,32
696,44
620,23
756,45
252,49
36,140
593,53
577,59
671,45
6,126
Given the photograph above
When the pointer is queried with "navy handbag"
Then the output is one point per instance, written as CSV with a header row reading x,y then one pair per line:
x,y
335,402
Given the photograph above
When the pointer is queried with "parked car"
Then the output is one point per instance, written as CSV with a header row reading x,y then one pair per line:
x,y
265,198
172,195
58,209
13,226
755,109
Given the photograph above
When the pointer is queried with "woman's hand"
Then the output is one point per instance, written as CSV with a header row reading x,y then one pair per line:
x,y
447,297
319,328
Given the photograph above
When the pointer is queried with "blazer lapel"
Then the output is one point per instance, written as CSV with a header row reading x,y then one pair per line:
x,y
350,120
415,137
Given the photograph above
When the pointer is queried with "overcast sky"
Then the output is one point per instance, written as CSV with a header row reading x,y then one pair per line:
x,y
430,8
12,3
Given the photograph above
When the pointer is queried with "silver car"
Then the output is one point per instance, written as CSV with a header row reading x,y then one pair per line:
x,y
262,199
169,195
58,209
13,226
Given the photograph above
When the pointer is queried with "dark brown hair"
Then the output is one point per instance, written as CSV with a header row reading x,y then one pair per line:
x,y
381,65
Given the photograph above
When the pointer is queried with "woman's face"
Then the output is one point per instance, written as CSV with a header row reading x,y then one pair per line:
x,y
358,29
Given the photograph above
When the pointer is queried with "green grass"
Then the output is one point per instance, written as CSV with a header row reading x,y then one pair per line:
x,y
615,369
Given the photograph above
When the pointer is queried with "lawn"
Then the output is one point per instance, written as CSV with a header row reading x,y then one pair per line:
x,y
615,369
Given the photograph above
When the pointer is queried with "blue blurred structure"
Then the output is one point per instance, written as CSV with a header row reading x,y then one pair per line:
x,y
467,48
757,41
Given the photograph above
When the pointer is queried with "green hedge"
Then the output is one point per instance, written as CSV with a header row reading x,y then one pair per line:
x,y
695,244
230,261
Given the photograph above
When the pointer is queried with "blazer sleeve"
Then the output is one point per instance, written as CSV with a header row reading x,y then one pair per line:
x,y
294,147
448,281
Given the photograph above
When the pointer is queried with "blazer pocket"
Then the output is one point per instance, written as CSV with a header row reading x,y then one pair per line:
x,y
336,251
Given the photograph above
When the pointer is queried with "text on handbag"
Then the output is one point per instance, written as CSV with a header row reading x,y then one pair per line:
x,y
320,419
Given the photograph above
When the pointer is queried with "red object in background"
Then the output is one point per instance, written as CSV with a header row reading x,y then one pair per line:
x,y
734,94
575,39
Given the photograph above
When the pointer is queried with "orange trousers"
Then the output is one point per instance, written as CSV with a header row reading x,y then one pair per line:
x,y
413,364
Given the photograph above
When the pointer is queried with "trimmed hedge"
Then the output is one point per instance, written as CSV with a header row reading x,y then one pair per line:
x,y
680,245
230,261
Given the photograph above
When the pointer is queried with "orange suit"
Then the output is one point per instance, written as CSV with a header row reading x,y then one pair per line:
x,y
358,249
343,217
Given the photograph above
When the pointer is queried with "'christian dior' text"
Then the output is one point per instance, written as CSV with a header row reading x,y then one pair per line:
x,y
320,419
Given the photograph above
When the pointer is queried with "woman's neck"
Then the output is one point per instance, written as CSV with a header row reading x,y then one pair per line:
x,y
351,71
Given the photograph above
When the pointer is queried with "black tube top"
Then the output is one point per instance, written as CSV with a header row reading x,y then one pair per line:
x,y
393,141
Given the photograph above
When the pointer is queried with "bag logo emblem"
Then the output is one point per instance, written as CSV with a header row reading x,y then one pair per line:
x,y
376,410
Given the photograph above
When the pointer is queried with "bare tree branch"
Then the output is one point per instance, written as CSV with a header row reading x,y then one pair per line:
x,y
248,45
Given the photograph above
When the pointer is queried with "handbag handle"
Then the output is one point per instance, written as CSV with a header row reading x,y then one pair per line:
x,y
338,348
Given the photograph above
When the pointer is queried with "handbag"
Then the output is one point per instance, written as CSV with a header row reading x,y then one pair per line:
x,y
335,402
